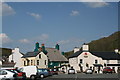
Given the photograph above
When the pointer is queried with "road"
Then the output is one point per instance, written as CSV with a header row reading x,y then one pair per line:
x,y
81,76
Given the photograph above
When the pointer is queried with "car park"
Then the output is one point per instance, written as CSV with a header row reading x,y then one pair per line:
x,y
7,75
43,73
20,74
107,70
88,71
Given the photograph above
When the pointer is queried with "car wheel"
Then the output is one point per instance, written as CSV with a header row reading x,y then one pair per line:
x,y
41,76
32,77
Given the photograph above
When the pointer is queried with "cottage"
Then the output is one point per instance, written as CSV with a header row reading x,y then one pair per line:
x,y
44,57
16,57
36,58
82,60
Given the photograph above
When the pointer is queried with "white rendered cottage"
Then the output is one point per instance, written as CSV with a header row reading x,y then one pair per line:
x,y
82,60
36,58
16,57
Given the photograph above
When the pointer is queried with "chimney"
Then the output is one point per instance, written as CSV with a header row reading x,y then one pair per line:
x,y
57,46
43,47
36,46
116,50
85,47
76,49
16,50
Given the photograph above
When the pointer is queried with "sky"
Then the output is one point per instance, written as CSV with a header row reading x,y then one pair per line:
x,y
69,24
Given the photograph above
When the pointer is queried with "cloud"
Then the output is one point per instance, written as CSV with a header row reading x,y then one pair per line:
x,y
24,41
35,15
4,38
73,40
6,9
74,13
42,37
96,4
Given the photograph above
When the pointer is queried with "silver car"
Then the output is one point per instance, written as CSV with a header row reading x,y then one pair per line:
x,y
5,74
88,71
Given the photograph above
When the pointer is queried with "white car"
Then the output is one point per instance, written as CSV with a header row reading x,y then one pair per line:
x,y
88,71
5,75
71,71
30,71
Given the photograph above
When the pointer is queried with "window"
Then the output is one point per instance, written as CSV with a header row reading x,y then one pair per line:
x,y
96,61
107,61
81,61
40,56
118,61
24,63
31,62
45,62
37,62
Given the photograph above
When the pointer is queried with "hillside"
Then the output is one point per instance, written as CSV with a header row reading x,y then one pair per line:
x,y
5,52
109,43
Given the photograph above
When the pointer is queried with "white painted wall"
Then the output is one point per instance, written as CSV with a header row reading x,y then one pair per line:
x,y
16,57
42,60
34,61
89,60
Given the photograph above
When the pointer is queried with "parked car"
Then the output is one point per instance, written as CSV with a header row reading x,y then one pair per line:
x,y
30,71
20,74
88,71
43,73
7,75
54,71
71,71
107,70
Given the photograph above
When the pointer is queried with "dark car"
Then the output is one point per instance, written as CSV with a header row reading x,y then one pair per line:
x,y
107,70
54,71
20,75
43,73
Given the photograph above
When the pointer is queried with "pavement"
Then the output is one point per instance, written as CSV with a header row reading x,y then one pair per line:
x,y
82,76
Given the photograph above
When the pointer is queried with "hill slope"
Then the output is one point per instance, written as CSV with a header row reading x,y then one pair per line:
x,y
109,43
5,52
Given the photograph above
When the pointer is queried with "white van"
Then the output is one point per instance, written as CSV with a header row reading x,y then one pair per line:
x,y
30,71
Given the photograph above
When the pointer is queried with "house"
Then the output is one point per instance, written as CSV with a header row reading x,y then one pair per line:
x,y
36,58
82,60
50,57
16,57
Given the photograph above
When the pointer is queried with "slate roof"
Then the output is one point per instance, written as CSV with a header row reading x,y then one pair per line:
x,y
75,54
107,55
103,55
55,55
30,54
8,64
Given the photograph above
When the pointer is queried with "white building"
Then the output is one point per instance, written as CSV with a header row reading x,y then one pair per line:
x,y
82,60
16,57
38,59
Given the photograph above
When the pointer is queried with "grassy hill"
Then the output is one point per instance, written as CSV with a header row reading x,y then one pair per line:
x,y
109,43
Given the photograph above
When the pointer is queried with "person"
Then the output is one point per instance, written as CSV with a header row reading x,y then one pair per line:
x,y
98,69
